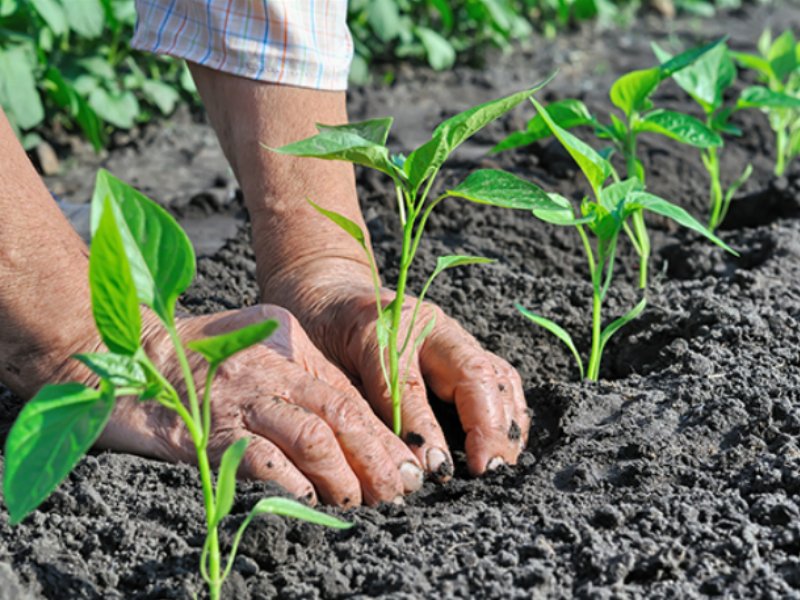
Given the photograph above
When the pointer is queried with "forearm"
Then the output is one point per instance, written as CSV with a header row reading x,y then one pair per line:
x,y
44,298
289,236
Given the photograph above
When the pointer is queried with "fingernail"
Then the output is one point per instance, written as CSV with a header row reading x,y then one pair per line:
x,y
435,458
495,463
399,501
412,476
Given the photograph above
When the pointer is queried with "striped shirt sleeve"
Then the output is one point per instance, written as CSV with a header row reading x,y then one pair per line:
x,y
303,43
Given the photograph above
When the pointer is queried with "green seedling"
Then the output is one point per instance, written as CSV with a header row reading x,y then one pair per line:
x,y
604,216
631,94
139,255
778,67
365,144
707,81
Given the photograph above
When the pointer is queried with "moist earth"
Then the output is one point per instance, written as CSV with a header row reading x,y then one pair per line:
x,y
676,476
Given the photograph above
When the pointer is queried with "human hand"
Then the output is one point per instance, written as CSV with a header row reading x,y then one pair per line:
x,y
309,429
336,304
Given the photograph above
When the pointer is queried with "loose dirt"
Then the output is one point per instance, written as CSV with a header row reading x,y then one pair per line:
x,y
678,475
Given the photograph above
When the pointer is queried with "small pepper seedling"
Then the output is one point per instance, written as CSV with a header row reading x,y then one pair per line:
x,y
603,215
631,94
707,81
139,255
778,67
364,143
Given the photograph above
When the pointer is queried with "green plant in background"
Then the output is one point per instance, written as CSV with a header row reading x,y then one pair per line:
x,y
631,94
71,60
365,144
139,255
604,215
778,66
707,82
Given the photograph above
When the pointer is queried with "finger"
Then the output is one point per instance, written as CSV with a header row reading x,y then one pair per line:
x,y
515,396
309,443
419,427
264,461
347,417
459,371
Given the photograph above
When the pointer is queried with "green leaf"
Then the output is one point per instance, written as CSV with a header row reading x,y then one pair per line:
x,y
65,95
680,127
441,54
734,187
565,113
384,18
756,63
346,224
502,189
782,55
164,96
18,87
630,92
120,370
556,330
707,79
118,108
457,260
615,194
220,348
226,478
115,305
619,323
423,162
85,17
562,215
53,14
348,143
291,508
594,167
161,257
646,201
760,97
48,438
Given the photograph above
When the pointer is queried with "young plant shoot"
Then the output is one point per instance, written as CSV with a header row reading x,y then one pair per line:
x,y
603,215
707,81
364,144
139,255
778,67
631,94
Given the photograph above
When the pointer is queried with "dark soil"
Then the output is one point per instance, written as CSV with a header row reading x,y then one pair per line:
x,y
677,476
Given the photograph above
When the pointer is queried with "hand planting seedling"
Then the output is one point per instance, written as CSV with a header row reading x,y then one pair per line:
x,y
139,255
778,66
604,215
707,81
365,144
631,94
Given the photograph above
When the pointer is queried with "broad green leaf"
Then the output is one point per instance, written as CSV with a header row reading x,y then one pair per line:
x,y
619,323
18,86
707,78
65,95
502,189
613,195
556,330
757,96
630,92
85,17
115,305
604,223
426,160
163,95
349,226
120,370
53,14
161,257
384,18
291,508
48,438
687,58
347,142
565,113
646,201
441,54
118,108
563,214
457,260
782,55
594,167
219,348
756,63
680,127
226,478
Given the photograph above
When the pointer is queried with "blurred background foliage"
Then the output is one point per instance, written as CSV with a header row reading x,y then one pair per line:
x,y
68,64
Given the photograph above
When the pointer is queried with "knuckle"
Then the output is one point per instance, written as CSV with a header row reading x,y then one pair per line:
x,y
313,440
342,410
478,368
